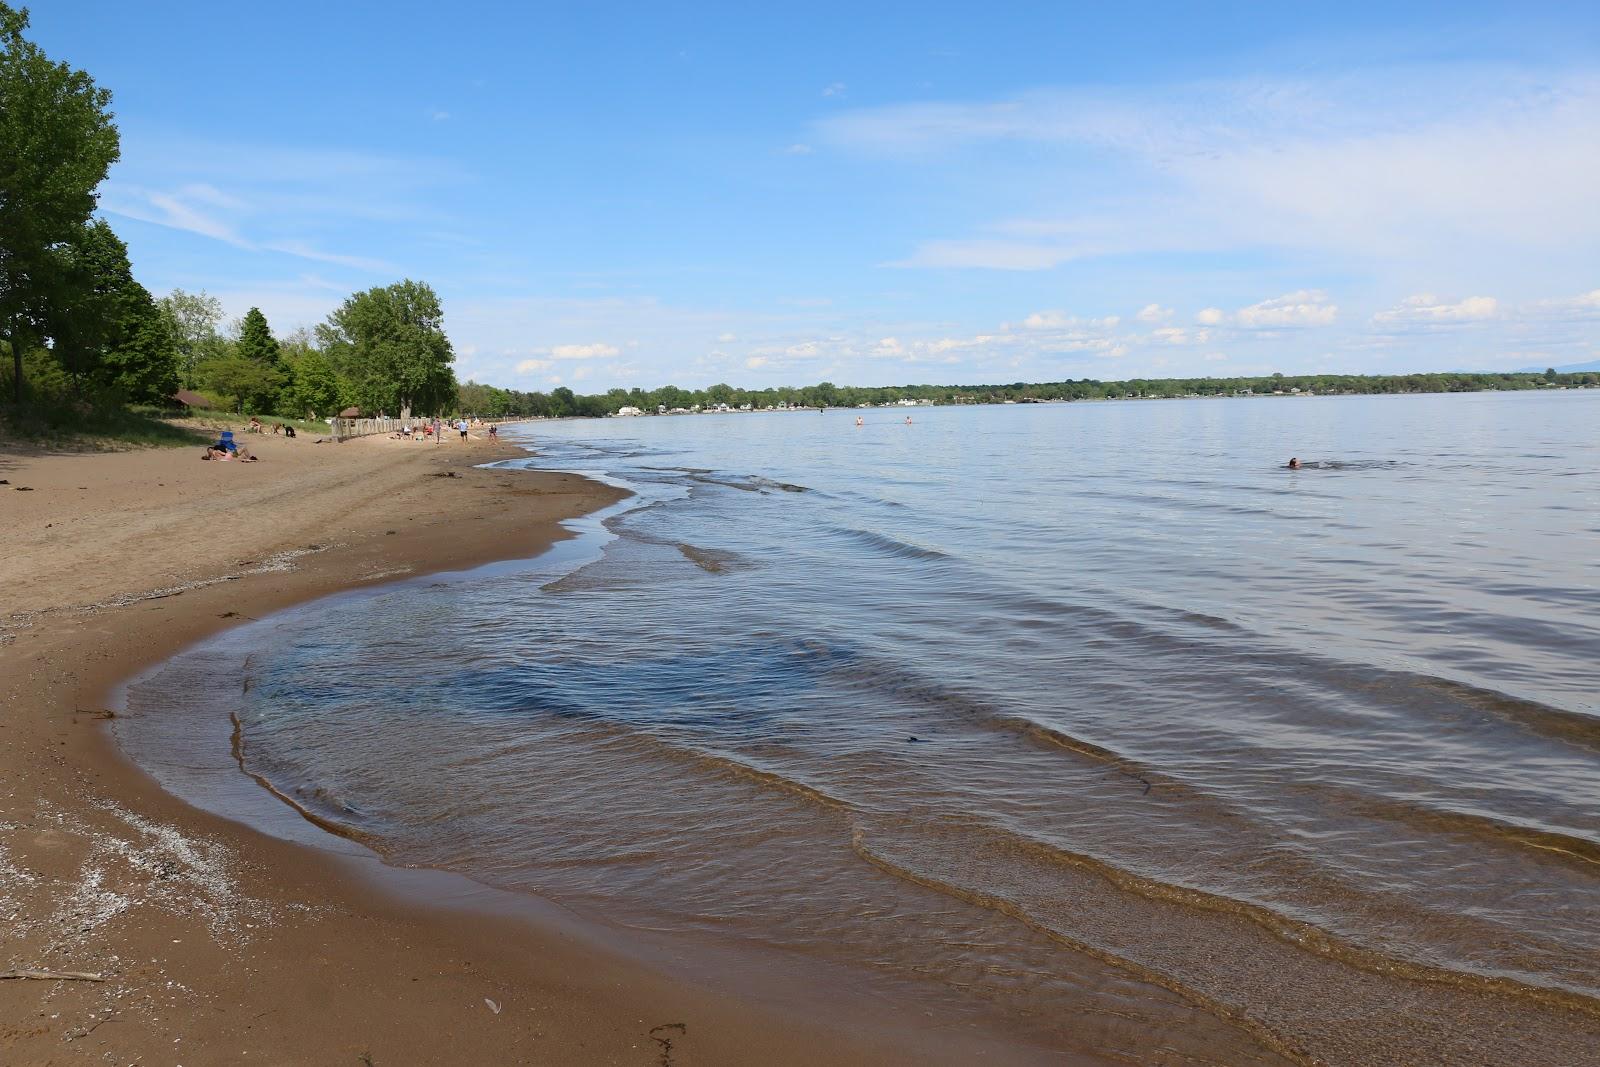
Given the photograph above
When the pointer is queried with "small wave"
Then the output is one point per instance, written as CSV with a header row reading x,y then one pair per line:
x,y
1572,727
1550,844
892,546
304,810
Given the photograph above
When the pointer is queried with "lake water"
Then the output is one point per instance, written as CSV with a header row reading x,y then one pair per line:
x,y
1088,725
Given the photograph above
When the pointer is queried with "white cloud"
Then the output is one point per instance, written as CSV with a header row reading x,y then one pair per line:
x,y
1584,305
1057,320
1211,316
1427,309
1215,357
593,351
1304,307
1154,313
797,149
988,255
438,114
833,89
756,362
726,338
1181,335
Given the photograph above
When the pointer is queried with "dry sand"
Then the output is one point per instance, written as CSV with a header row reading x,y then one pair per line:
x,y
217,944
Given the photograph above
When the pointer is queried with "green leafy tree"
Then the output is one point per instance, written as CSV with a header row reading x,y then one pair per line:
x,y
143,364
256,341
313,388
57,141
251,385
389,344
104,324
193,319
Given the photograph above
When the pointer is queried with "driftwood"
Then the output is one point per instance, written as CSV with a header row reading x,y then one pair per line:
x,y
54,976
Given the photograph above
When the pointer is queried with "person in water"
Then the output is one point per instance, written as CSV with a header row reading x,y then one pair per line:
x,y
1294,463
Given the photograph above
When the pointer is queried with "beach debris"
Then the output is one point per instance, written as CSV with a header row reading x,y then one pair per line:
x,y
494,1006
99,713
23,488
658,1034
54,976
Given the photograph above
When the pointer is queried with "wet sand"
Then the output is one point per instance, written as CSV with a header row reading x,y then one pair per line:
x,y
214,943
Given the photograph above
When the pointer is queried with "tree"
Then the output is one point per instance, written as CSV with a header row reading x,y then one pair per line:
x,y
57,141
103,323
143,364
255,340
251,384
389,344
313,387
193,319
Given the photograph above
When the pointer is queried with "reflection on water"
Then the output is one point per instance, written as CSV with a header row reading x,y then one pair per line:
x,y
1092,722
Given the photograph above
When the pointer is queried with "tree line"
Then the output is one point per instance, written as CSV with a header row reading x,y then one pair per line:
x,y
489,401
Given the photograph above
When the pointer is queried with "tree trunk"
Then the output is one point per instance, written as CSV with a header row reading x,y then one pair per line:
x,y
15,338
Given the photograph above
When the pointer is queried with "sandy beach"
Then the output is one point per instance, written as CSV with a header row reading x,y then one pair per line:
x,y
135,929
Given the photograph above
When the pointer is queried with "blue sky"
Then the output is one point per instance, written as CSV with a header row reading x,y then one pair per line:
x,y
639,194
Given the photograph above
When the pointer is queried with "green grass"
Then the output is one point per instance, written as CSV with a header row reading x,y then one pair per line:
x,y
63,427
109,429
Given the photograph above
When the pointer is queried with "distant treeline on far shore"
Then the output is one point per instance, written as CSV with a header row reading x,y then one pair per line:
x,y
492,402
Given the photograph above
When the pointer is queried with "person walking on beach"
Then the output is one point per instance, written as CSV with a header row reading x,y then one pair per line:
x,y
462,426
437,426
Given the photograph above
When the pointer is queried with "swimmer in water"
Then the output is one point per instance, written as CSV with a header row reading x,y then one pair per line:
x,y
860,421
908,420
1294,463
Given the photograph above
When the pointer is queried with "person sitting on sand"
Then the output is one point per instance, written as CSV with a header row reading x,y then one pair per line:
x,y
1294,463
255,425
213,452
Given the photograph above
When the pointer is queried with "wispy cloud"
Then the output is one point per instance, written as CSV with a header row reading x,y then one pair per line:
x,y
306,251
1419,162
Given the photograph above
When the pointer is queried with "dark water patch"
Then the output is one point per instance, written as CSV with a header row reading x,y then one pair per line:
x,y
711,560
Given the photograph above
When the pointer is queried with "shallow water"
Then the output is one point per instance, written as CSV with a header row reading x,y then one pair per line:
x,y
1089,724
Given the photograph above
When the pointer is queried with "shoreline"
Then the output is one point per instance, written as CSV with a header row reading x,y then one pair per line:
x,y
215,938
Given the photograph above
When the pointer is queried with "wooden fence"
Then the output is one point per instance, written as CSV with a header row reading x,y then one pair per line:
x,y
344,429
